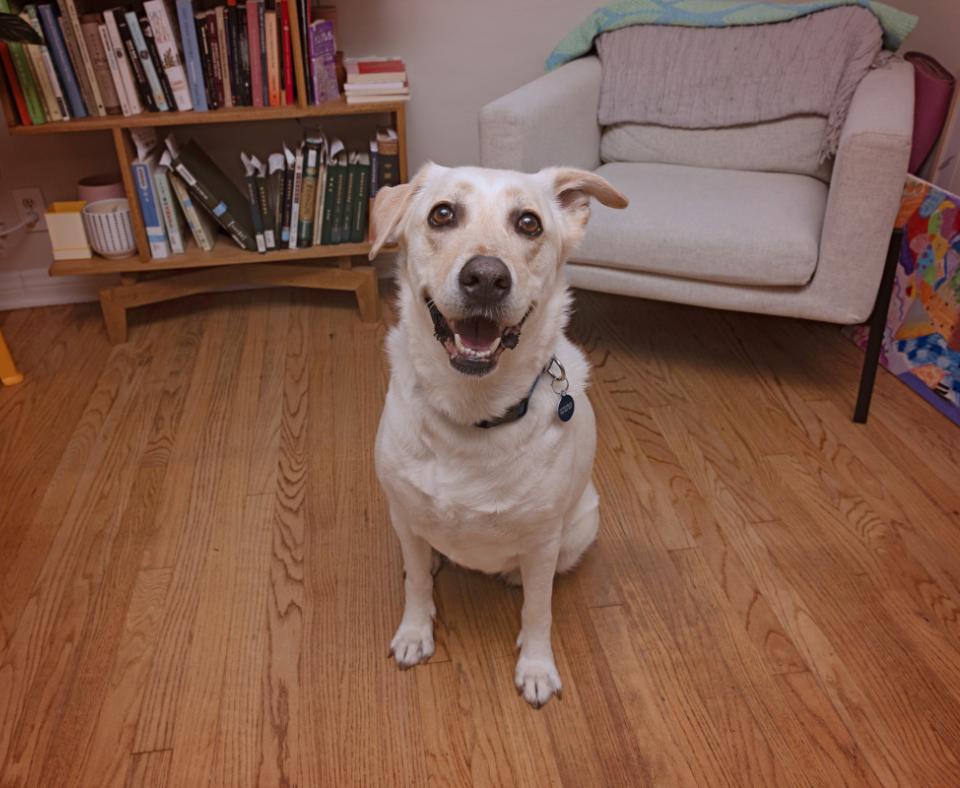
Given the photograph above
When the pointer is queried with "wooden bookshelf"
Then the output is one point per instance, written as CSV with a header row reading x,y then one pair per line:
x,y
144,280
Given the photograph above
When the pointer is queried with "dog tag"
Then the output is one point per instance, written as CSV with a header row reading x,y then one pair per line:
x,y
565,408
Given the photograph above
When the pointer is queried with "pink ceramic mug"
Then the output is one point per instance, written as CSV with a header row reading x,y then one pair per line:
x,y
106,186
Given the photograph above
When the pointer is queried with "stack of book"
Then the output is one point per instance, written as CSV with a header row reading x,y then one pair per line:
x,y
376,79
161,56
317,194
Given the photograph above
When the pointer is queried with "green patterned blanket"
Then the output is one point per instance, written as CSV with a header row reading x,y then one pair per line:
x,y
896,24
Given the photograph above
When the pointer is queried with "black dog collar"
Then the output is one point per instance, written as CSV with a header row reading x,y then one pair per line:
x,y
559,384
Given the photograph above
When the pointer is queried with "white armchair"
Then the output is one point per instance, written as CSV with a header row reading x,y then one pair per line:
x,y
741,218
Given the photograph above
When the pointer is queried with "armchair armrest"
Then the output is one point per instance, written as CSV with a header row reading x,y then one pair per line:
x,y
552,120
865,189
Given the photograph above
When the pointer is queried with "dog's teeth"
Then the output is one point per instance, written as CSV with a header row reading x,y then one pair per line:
x,y
468,351
459,343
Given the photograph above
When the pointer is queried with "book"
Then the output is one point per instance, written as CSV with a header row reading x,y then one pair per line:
x,y
261,30
358,227
84,62
377,98
202,225
349,196
90,27
172,219
206,59
216,57
374,163
220,13
133,58
329,195
163,25
286,53
263,200
215,191
376,87
58,51
250,165
332,148
44,72
312,150
124,68
74,53
191,55
323,69
253,50
276,171
300,21
289,167
388,158
295,197
243,42
114,69
273,60
373,69
14,84
24,76
339,197
155,65
143,168
233,46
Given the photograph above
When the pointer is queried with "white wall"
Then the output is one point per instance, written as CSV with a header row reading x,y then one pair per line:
x,y
460,54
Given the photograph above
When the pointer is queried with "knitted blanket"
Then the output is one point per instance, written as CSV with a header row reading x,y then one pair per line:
x,y
896,24
698,78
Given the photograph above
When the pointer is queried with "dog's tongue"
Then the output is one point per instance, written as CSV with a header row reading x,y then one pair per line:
x,y
477,333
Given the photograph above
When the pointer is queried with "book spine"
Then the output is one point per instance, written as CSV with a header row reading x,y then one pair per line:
x,y
39,71
157,64
200,227
14,84
150,208
308,195
261,29
206,61
115,74
168,209
79,73
164,36
263,201
349,196
233,43
288,93
125,70
90,27
191,55
216,64
303,20
147,69
288,178
295,199
225,55
315,73
358,232
275,190
58,95
327,52
58,51
133,58
216,207
340,187
273,62
255,215
88,77
243,41
326,235
318,211
253,48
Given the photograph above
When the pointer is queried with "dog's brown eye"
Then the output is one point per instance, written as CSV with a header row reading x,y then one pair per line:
x,y
529,224
441,215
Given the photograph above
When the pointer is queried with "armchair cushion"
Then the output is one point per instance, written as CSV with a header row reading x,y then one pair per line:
x,y
784,145
730,226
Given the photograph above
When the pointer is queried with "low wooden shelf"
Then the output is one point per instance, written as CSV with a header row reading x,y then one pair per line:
x,y
145,281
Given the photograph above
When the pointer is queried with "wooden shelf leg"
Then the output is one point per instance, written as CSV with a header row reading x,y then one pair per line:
x,y
368,295
114,316
9,375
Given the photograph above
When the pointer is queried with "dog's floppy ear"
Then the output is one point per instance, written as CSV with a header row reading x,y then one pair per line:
x,y
575,187
389,207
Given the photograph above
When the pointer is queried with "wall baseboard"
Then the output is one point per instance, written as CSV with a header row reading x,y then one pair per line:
x,y
29,288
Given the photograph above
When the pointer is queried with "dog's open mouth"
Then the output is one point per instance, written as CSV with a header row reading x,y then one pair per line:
x,y
474,343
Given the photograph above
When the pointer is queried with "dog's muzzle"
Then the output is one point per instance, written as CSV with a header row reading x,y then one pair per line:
x,y
474,343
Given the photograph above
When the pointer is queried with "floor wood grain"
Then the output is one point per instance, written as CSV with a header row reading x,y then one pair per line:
x,y
198,580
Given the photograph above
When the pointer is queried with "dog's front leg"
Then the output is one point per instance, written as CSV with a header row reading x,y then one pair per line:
x,y
413,642
536,676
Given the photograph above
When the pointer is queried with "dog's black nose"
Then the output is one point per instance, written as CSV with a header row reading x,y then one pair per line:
x,y
485,280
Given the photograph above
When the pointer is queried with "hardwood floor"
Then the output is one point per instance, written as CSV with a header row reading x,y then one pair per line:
x,y
198,581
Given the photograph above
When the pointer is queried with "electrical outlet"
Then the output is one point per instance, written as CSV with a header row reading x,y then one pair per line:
x,y
31,199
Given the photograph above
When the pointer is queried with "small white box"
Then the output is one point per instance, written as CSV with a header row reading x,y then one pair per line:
x,y
67,234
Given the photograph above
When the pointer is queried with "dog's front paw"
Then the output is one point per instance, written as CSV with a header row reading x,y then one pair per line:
x,y
412,645
537,680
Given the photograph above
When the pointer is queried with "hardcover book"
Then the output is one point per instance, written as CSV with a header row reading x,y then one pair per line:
x,y
84,63
144,166
201,224
90,26
124,69
164,28
191,55
133,58
61,59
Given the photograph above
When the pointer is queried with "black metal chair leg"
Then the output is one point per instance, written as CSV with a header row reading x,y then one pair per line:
x,y
878,321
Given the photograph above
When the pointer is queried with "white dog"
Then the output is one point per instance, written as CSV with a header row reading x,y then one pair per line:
x,y
480,453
